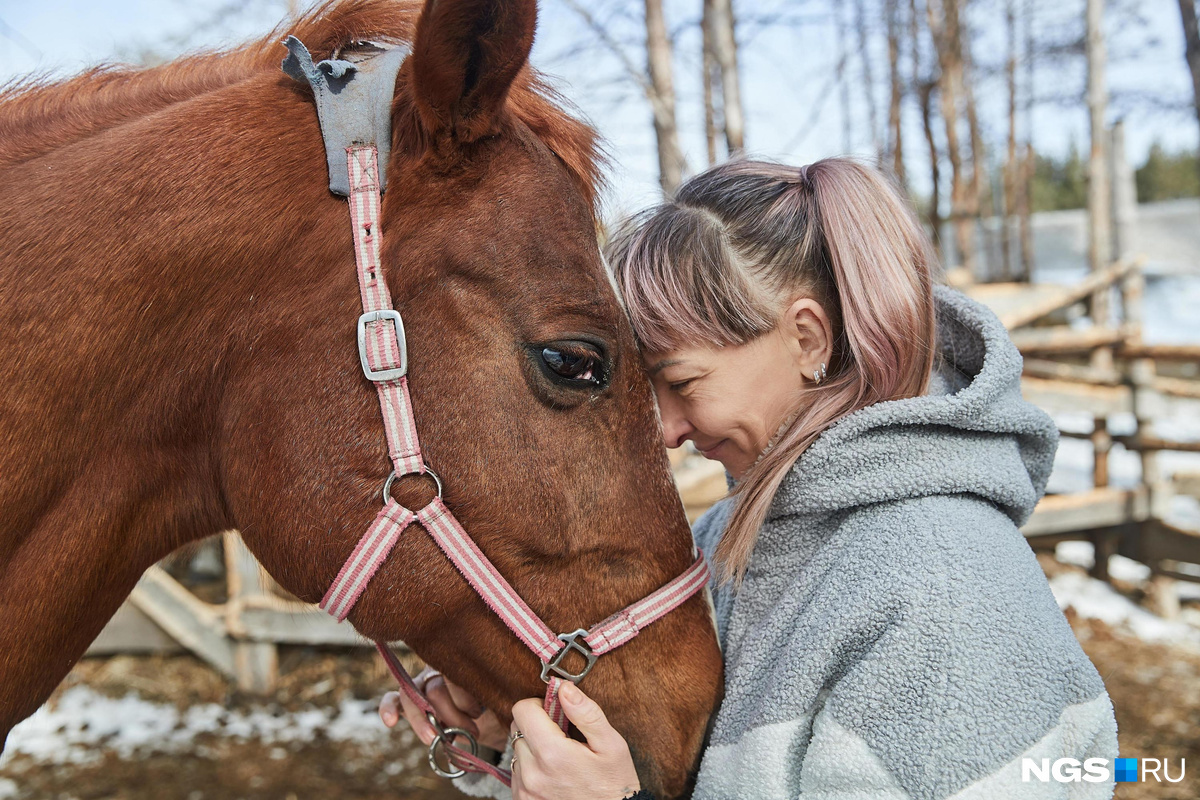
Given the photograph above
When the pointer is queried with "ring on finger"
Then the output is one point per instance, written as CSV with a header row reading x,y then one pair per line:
x,y
512,739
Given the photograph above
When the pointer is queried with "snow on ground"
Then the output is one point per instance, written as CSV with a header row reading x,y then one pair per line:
x,y
83,722
1095,599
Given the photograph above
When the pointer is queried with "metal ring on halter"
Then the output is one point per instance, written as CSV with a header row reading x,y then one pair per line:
x,y
446,737
391,478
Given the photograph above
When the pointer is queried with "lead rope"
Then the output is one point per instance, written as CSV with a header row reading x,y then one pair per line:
x,y
383,354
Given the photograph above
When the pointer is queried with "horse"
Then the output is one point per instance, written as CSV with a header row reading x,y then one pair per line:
x,y
177,357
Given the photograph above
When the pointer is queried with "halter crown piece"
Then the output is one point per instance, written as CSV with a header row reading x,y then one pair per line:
x,y
353,106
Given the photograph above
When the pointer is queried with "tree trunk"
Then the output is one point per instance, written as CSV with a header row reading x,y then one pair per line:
x,y
945,29
924,89
979,195
844,60
708,66
725,51
1010,161
895,148
1028,160
658,58
1191,36
864,52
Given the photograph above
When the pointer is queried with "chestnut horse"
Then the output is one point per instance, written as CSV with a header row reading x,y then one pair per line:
x,y
177,357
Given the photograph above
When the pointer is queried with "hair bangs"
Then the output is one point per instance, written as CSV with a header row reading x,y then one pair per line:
x,y
680,283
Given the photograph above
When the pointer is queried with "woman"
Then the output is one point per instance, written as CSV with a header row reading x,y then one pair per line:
x,y
887,632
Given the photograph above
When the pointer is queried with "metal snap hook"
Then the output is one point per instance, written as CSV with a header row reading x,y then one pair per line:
x,y
444,738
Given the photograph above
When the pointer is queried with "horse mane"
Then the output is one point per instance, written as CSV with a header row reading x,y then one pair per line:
x,y
39,117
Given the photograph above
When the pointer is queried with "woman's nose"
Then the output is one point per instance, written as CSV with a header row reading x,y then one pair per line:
x,y
676,428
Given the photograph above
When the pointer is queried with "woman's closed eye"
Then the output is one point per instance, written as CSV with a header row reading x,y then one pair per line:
x,y
679,386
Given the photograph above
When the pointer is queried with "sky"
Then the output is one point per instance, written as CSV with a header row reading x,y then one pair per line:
x,y
793,108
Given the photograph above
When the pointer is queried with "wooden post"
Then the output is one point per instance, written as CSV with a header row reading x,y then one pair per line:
x,y
256,664
1124,195
1099,231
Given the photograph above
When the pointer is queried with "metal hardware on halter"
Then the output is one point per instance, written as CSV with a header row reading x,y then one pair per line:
x,y
445,737
572,641
387,485
392,373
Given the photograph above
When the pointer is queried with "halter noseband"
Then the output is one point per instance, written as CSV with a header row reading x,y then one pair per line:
x,y
382,352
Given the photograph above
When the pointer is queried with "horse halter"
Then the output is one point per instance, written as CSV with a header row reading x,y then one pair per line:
x,y
383,354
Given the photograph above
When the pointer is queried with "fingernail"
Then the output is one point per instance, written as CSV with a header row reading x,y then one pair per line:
x,y
570,693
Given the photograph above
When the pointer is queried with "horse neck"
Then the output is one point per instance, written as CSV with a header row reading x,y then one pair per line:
x,y
140,269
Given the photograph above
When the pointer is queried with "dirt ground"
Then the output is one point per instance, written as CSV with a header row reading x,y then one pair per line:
x,y
1155,689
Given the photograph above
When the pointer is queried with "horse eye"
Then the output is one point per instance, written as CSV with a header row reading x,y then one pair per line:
x,y
576,364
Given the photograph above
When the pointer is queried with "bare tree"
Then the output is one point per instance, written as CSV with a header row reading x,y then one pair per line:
x,y
1010,161
724,44
843,59
1191,36
979,196
658,61
708,66
656,82
864,52
946,31
925,86
895,141
1025,195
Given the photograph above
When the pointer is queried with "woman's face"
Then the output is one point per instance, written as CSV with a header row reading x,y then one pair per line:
x,y
730,401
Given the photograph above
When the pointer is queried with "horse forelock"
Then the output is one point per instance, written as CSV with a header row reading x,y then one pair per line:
x,y
37,117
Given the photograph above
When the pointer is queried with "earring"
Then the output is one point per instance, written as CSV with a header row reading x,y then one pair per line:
x,y
819,374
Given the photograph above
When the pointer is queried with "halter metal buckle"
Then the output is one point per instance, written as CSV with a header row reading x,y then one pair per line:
x,y
571,641
392,373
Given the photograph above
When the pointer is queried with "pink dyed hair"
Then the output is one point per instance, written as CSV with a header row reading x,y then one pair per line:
x,y
718,264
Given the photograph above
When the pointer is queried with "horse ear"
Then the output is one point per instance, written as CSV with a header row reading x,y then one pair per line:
x,y
466,54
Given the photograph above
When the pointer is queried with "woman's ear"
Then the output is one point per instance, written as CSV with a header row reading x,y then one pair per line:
x,y
809,334
466,55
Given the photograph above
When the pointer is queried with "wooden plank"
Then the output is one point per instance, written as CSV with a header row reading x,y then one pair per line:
x,y
1161,541
1061,339
1080,373
193,623
297,623
131,631
1097,508
1056,396
1093,283
1165,352
1153,404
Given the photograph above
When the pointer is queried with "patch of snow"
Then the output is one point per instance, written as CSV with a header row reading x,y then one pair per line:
x,y
1083,554
82,723
1093,599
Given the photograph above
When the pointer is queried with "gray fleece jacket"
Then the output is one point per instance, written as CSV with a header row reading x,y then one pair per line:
x,y
894,636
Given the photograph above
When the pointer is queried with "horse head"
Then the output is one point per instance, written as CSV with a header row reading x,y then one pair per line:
x,y
179,358
527,389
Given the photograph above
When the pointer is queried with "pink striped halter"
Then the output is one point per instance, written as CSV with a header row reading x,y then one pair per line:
x,y
383,354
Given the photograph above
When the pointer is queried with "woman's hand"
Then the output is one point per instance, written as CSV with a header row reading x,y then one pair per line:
x,y
455,708
550,766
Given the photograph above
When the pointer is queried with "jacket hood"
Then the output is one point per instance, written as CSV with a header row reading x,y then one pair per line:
x,y
972,433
